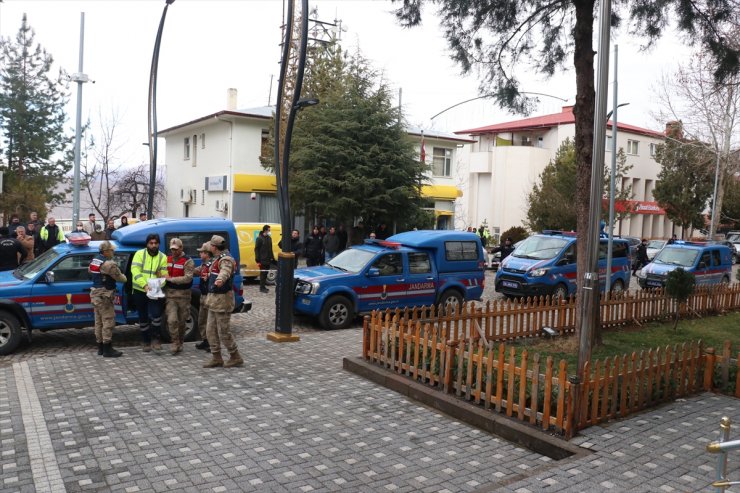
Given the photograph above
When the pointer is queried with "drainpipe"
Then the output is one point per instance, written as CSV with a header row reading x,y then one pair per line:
x,y
230,178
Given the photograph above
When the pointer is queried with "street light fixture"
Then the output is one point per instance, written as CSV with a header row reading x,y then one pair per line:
x,y
491,96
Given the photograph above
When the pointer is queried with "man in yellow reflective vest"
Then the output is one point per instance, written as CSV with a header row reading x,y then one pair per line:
x,y
149,263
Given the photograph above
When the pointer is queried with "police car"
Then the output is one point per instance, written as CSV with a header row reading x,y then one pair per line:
x,y
53,290
710,264
415,268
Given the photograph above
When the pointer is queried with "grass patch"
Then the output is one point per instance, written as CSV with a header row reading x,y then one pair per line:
x,y
712,330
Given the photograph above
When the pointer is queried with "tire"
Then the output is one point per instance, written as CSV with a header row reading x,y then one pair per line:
x,y
192,331
10,333
734,258
450,299
337,313
617,287
725,280
272,276
560,292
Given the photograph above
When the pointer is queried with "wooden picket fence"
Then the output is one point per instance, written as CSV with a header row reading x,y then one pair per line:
x,y
502,320
462,353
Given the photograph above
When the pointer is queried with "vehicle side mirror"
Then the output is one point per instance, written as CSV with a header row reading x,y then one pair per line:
x,y
702,265
49,277
373,272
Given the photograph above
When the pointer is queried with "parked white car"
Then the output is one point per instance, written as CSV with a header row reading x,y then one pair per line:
x,y
654,246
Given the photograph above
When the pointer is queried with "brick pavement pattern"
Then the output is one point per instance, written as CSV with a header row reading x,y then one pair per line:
x,y
292,420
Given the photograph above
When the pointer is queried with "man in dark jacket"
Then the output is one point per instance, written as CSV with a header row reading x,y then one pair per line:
x,y
343,237
110,229
331,244
313,248
642,257
505,249
295,246
12,253
263,255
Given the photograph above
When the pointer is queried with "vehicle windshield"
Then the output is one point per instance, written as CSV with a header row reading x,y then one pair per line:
x,y
352,260
677,256
657,244
540,247
735,238
40,263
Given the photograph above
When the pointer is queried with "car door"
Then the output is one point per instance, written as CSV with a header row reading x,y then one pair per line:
x,y
121,298
385,283
60,297
703,271
421,283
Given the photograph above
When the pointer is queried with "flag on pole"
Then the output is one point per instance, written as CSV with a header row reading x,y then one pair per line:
x,y
423,153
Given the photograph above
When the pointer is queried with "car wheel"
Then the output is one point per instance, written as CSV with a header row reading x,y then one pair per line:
x,y
272,276
734,258
617,287
192,331
560,292
450,300
337,313
10,333
725,280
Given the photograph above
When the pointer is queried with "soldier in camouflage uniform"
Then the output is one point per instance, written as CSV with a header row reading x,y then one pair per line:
x,y
104,272
206,258
180,269
221,303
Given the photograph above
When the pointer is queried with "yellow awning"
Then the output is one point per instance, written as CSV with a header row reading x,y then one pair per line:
x,y
254,183
442,213
441,192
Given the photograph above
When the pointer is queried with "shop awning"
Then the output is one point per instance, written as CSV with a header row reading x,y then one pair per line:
x,y
441,192
254,183
442,213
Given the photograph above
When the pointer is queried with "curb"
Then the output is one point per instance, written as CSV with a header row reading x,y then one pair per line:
x,y
491,422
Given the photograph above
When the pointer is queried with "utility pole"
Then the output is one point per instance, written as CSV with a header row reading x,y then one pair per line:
x,y
80,78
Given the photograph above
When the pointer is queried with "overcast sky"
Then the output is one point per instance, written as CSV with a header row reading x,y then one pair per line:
x,y
211,45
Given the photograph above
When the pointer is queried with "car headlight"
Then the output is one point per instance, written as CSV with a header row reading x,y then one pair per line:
x,y
641,274
538,272
306,287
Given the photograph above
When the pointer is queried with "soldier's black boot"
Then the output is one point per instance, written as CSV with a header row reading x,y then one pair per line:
x,y
109,352
100,349
203,345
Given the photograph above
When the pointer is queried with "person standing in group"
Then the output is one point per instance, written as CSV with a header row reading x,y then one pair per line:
x,y
264,256
109,229
27,242
331,244
15,222
33,232
33,217
148,263
382,232
505,249
221,303
180,270
81,228
142,217
642,257
124,222
673,239
343,238
295,247
12,253
313,248
89,226
50,235
203,271
104,272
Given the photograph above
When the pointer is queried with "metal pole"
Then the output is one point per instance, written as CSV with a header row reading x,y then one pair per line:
x,y
152,114
80,78
612,179
589,306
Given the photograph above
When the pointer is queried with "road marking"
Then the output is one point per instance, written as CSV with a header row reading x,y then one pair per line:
x,y
44,465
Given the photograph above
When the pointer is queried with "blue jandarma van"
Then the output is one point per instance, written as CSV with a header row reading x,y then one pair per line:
x,y
710,264
416,268
545,265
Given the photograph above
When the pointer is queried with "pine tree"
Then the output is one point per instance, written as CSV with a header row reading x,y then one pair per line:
x,y
35,156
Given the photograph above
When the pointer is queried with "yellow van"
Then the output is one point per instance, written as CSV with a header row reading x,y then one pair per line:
x,y
247,234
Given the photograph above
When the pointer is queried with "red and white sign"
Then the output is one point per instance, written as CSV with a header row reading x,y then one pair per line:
x,y
636,207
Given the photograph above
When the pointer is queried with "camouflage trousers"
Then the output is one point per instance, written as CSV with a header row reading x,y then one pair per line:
x,y
105,314
177,311
203,317
219,332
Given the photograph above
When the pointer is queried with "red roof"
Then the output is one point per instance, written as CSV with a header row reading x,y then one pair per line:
x,y
548,121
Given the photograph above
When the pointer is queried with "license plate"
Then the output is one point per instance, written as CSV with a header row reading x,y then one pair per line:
x,y
655,284
510,284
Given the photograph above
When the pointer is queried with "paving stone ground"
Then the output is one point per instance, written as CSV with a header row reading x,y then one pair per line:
x,y
292,420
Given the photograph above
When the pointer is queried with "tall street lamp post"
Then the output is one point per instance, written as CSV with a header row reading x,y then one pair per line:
x,y
152,113
80,78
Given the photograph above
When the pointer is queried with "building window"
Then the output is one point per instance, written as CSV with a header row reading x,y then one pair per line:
x,y
203,141
633,147
653,148
202,196
195,196
195,150
442,161
608,143
186,149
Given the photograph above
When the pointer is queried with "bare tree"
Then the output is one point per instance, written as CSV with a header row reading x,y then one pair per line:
x,y
708,112
132,190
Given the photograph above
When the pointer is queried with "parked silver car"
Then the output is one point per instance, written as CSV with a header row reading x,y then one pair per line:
x,y
654,246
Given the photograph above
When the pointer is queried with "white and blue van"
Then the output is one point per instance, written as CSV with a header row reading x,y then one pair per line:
x,y
710,264
545,264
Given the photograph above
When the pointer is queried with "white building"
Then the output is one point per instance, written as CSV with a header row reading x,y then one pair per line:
x,y
213,167
506,159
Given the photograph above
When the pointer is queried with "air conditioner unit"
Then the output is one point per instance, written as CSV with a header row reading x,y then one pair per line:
x,y
186,195
221,206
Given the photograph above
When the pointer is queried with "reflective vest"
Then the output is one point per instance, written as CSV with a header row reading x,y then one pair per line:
x,y
145,267
205,272
176,268
213,274
100,280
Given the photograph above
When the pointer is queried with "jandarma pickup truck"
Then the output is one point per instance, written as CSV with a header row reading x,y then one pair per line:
x,y
408,269
53,290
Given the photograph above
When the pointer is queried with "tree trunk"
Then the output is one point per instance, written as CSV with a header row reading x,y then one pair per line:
x,y
584,130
